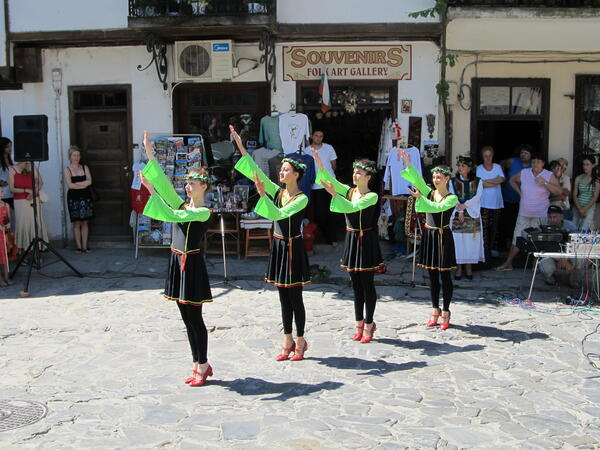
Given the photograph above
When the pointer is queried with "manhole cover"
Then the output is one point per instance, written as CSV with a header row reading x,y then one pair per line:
x,y
20,413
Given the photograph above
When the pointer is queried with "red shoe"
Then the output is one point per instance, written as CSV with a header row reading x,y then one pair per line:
x,y
367,339
188,380
359,333
285,352
299,355
204,376
445,321
434,318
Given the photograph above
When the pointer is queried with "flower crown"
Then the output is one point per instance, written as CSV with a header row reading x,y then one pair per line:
x,y
199,177
297,164
446,172
358,165
460,159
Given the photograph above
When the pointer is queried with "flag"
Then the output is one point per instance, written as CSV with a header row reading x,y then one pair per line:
x,y
324,93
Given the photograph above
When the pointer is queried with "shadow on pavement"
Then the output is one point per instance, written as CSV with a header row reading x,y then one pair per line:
x,y
504,335
431,348
256,386
378,367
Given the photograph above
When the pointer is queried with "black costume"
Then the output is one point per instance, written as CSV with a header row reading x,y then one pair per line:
x,y
79,201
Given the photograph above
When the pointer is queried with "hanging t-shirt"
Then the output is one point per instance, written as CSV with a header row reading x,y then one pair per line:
x,y
393,181
492,196
327,154
293,130
261,157
269,132
308,178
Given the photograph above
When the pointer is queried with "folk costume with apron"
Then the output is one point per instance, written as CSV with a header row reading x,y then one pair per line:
x,y
468,235
288,262
437,244
361,249
187,277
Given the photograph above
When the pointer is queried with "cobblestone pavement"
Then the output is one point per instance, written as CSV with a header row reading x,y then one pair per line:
x,y
108,357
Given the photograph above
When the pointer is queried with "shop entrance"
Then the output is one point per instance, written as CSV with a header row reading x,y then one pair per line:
x,y
507,112
101,128
353,124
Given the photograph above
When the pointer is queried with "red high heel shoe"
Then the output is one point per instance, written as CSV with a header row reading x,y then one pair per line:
x,y
285,352
203,378
299,355
188,380
434,318
445,321
359,333
366,339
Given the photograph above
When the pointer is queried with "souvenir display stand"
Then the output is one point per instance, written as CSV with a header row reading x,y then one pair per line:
x,y
176,154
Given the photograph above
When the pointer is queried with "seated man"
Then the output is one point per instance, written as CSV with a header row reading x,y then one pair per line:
x,y
563,268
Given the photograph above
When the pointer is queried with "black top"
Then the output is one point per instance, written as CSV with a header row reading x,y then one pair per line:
x,y
439,219
78,178
289,227
363,219
188,236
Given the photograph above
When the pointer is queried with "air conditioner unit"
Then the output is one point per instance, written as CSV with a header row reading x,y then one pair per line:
x,y
207,61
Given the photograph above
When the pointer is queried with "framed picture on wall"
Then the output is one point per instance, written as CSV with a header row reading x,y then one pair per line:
x,y
406,106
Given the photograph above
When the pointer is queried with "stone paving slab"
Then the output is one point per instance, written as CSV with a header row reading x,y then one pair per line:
x,y
108,357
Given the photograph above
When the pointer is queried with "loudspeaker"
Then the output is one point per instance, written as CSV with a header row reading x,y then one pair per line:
x,y
31,138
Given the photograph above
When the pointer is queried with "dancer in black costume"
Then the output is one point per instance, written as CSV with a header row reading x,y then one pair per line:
x,y
362,255
437,243
288,267
187,278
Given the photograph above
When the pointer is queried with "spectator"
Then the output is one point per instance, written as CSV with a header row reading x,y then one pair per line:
x,y
492,176
325,219
550,266
534,186
5,165
20,181
585,194
79,198
565,181
509,214
562,200
466,218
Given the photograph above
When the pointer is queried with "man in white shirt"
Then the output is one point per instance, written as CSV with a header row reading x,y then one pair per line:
x,y
321,199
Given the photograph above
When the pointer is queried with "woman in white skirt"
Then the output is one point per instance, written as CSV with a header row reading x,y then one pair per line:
x,y
466,218
20,182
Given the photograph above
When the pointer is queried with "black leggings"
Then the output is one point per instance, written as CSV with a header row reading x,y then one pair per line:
x,y
365,297
196,331
447,288
292,308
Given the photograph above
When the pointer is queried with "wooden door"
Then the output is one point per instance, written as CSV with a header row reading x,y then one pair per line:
x,y
587,119
104,141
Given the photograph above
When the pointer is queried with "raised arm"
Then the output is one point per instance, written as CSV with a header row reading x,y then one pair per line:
x,y
341,204
411,175
148,147
238,140
427,206
247,167
155,175
267,209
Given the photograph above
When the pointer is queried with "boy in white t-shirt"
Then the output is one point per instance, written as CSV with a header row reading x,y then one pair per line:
x,y
321,199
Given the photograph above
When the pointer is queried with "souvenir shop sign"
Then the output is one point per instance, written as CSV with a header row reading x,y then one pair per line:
x,y
347,62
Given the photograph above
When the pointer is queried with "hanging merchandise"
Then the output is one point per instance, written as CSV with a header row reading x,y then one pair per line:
x,y
349,100
308,179
269,135
393,180
176,155
294,131
385,143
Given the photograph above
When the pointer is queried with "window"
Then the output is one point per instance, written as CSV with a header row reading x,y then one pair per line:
x,y
510,100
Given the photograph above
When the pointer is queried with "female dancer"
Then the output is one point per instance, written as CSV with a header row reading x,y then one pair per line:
x,y
466,218
362,256
288,267
437,244
187,279
79,198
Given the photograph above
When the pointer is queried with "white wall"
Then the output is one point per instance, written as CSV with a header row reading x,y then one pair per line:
x,y
533,34
85,66
421,89
51,15
3,61
350,11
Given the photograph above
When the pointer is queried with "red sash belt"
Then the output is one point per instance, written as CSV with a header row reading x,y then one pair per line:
x,y
184,255
360,232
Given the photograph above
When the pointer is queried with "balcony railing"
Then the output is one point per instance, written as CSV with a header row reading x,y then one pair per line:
x,y
162,8
528,3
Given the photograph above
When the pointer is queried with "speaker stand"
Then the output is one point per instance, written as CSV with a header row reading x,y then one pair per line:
x,y
35,246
